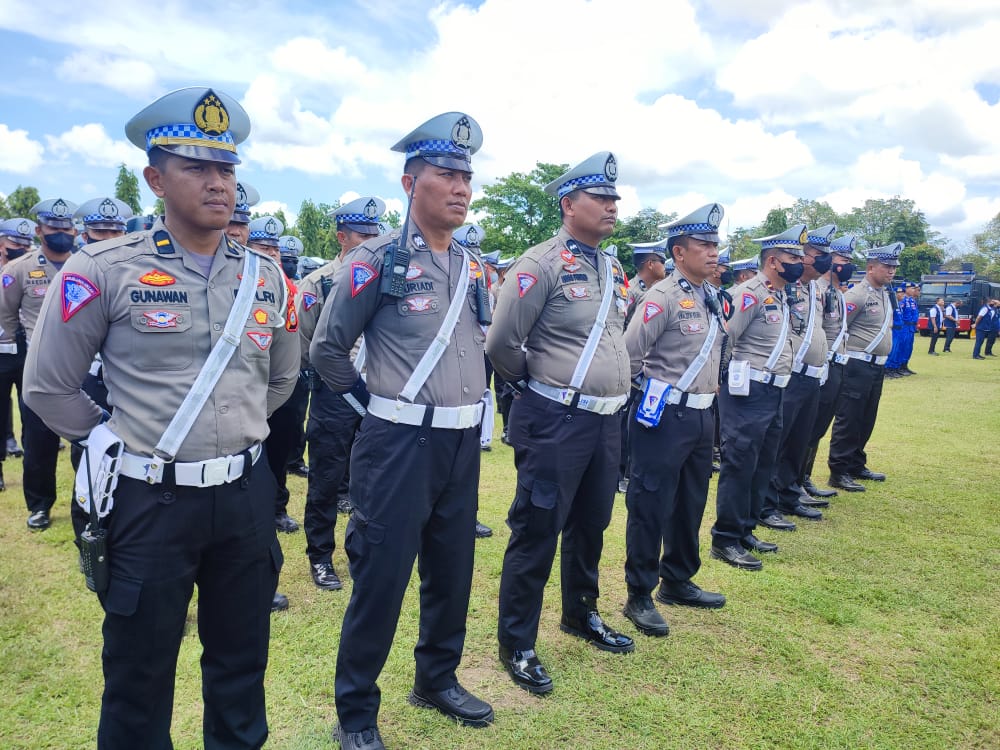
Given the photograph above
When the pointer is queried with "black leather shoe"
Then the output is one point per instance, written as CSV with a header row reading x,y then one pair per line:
x,y
815,491
299,470
803,512
325,577
845,482
688,594
754,544
279,603
456,703
871,476
344,504
482,530
777,522
14,450
812,502
736,556
979,356
504,438
644,615
593,629
485,448
284,522
39,520
907,371
366,739
526,670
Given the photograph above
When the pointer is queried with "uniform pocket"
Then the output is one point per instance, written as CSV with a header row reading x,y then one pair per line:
x,y
159,336
540,504
277,556
122,597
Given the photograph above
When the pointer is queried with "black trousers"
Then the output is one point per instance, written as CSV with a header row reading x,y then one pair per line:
x,y
415,492
857,410
163,540
567,464
41,453
296,456
949,336
671,467
826,407
799,405
333,424
751,431
991,338
625,459
11,367
935,335
285,426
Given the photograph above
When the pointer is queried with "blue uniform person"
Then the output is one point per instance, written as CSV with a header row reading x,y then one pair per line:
x,y
417,299
911,314
894,361
986,327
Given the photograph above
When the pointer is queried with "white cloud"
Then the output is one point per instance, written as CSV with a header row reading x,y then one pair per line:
x,y
269,208
750,210
135,78
18,153
95,147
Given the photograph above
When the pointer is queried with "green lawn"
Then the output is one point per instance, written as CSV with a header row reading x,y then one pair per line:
x,y
875,628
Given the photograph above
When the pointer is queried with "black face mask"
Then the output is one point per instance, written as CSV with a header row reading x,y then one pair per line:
x,y
844,272
13,254
791,272
726,278
60,242
290,266
822,263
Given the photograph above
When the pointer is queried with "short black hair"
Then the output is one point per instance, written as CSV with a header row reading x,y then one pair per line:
x,y
158,157
414,166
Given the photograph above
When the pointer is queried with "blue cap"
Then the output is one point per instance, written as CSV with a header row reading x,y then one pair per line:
x,y
20,231
195,122
822,237
702,224
447,141
887,255
491,258
912,285
469,235
246,196
503,264
747,264
791,240
266,230
658,249
844,245
290,245
55,212
104,213
360,215
723,258
595,175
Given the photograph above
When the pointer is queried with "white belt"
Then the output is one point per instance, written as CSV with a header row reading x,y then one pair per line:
x,y
840,359
819,373
769,378
691,400
95,367
866,357
446,417
565,396
8,348
210,473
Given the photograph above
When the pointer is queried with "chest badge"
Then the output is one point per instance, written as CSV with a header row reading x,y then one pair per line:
x,y
260,316
160,319
157,278
686,303
579,292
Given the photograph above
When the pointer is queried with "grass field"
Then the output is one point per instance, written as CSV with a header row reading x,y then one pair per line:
x,y
875,628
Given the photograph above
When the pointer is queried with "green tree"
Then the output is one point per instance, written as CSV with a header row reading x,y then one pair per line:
x,y
916,260
158,208
643,227
775,222
4,209
316,229
884,220
813,214
986,249
22,200
127,188
518,211
739,244
392,219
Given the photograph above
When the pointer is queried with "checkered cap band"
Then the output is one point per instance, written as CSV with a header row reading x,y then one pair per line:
x,y
580,182
354,219
261,235
822,241
883,257
781,244
691,229
436,147
188,134
101,219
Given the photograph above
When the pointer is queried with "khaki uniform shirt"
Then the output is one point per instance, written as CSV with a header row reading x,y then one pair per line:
x,y
802,311
398,331
753,330
310,303
668,329
23,285
867,309
548,304
833,313
154,318
636,291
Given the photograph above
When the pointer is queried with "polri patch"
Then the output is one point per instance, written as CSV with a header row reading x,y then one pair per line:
x,y
579,292
650,311
414,272
160,319
567,256
361,276
747,302
77,292
308,300
524,283
261,339
157,278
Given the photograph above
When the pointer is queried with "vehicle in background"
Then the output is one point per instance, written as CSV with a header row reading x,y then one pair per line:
x,y
961,285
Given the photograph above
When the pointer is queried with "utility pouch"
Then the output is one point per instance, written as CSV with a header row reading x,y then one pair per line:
x,y
739,377
654,399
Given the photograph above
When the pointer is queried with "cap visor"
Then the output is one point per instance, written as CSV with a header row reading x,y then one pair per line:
x,y
705,236
55,223
366,229
604,190
203,153
448,162
113,225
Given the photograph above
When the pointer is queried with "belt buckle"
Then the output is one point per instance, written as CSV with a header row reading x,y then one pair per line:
x,y
215,471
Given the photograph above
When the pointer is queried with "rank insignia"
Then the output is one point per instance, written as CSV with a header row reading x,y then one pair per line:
x,y
747,302
414,272
567,256
38,291
623,291
474,271
650,311
260,316
851,307
579,292
418,304
157,278
524,283
160,319
36,274
261,339
210,115
77,292
687,304
769,300
361,276
7,280
308,300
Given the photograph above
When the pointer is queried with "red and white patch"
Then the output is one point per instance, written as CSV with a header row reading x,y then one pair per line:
x,y
579,292
160,319
567,256
77,292
361,276
414,272
39,291
572,267
773,317
747,301
261,339
524,283
851,307
650,311
419,304
694,326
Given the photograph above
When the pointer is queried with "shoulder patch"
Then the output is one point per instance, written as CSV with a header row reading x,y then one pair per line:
x,y
291,317
308,300
851,307
77,292
7,280
748,300
650,311
361,276
524,283
261,339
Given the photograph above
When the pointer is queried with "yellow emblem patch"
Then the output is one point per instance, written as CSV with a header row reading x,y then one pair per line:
x,y
687,304
210,115
260,316
804,237
157,278
36,274
769,300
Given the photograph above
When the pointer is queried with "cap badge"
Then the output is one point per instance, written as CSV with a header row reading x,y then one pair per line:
x,y
108,209
804,237
461,133
714,216
611,168
210,115
271,227
60,209
23,228
472,236
241,195
371,210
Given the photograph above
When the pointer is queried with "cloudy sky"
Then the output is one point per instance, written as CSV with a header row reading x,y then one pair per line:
x,y
751,103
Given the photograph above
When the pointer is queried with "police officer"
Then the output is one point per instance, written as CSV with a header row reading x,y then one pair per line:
x,y
25,283
911,314
950,323
334,417
744,270
991,335
415,464
15,240
154,304
675,346
239,225
935,323
835,327
750,403
869,319
984,326
893,362
290,248
559,334
800,401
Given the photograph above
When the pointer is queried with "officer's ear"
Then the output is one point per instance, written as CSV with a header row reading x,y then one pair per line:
x,y
154,178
